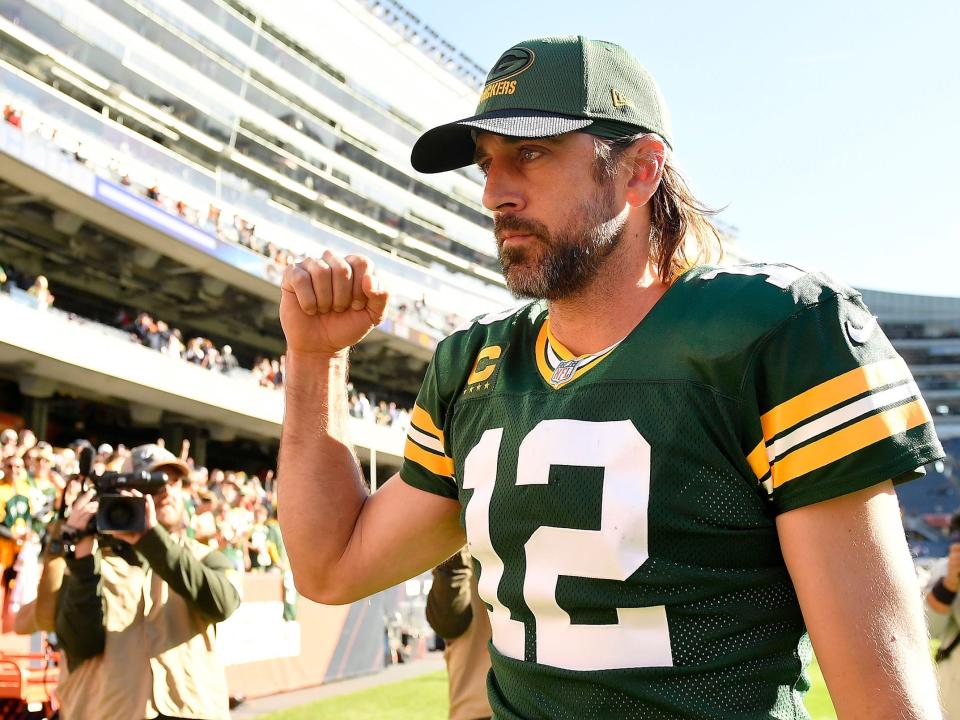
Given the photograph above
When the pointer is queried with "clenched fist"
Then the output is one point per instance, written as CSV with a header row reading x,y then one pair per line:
x,y
330,303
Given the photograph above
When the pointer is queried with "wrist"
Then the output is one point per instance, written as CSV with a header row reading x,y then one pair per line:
x,y
943,593
84,547
951,583
316,358
312,376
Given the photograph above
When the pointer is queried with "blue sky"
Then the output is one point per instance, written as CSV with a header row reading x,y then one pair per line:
x,y
828,129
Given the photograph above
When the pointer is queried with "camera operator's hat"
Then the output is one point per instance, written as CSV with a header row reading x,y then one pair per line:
x,y
153,458
550,86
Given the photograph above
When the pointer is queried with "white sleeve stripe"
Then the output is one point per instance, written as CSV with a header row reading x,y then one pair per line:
x,y
427,441
839,417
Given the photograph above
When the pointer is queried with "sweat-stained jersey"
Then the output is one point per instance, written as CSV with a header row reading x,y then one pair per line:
x,y
621,507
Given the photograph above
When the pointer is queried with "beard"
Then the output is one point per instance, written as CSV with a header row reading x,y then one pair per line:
x,y
568,260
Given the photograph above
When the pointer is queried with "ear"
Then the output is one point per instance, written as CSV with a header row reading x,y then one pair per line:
x,y
647,158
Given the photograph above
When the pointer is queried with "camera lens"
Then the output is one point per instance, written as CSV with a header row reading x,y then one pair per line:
x,y
119,515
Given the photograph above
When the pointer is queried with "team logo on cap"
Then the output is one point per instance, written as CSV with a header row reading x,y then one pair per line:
x,y
513,62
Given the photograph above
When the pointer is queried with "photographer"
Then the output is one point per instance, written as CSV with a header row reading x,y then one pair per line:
x,y
943,621
137,611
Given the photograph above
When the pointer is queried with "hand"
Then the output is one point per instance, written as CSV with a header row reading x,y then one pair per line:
x,y
150,519
329,304
82,512
951,580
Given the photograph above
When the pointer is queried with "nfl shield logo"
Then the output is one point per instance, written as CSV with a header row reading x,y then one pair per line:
x,y
564,372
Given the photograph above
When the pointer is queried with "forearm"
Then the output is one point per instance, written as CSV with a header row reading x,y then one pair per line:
x,y
202,583
321,490
858,591
48,590
79,621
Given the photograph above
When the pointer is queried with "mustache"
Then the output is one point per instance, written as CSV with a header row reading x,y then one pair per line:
x,y
515,224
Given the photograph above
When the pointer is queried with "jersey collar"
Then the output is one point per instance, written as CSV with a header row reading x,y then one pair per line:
x,y
558,366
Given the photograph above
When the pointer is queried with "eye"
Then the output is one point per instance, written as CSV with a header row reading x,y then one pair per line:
x,y
484,167
529,154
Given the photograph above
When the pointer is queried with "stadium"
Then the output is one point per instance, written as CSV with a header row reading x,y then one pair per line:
x,y
161,163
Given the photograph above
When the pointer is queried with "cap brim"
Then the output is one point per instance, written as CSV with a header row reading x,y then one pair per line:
x,y
177,467
451,146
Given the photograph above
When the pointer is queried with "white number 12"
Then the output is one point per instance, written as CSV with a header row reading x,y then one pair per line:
x,y
641,637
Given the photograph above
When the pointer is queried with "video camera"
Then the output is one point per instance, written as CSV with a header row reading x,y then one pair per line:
x,y
123,513
117,512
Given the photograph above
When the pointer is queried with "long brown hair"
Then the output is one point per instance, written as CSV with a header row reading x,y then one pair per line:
x,y
682,233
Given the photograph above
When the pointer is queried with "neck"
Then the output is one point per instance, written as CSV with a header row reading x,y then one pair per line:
x,y
624,291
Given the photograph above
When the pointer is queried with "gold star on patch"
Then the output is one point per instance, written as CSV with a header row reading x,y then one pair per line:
x,y
487,386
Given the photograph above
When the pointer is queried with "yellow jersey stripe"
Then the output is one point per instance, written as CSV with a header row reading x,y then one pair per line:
x,y
589,366
832,392
421,418
757,460
849,440
437,464
541,353
557,346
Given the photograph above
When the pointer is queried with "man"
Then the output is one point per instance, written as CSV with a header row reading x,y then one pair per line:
x,y
15,514
137,619
668,475
457,614
943,620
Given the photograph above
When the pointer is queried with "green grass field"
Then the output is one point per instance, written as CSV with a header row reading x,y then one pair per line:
x,y
425,698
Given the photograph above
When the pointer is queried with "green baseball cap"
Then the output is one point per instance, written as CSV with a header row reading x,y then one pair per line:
x,y
550,86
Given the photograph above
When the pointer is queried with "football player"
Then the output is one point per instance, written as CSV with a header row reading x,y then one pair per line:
x,y
672,476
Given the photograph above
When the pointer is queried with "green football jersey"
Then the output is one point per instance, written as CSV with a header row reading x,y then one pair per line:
x,y
621,506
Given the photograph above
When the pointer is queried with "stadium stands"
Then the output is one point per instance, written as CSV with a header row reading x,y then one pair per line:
x,y
164,160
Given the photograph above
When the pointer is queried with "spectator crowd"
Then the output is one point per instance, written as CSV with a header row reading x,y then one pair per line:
x,y
218,221
228,510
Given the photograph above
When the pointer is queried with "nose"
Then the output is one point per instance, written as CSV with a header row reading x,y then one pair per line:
x,y
502,191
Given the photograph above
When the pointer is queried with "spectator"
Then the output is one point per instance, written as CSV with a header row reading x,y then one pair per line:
x,y
194,353
104,452
8,442
141,328
12,116
160,336
365,411
175,346
14,511
228,361
258,550
943,620
204,520
40,291
25,441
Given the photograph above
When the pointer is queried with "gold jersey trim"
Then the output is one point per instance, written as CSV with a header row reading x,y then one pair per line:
x,y
557,365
